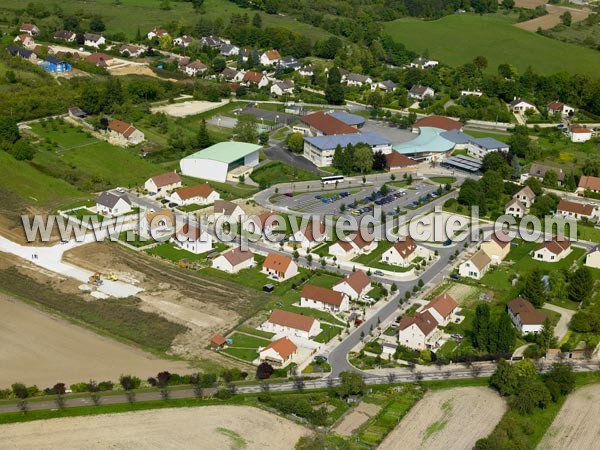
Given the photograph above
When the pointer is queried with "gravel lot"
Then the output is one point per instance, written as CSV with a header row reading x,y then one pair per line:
x,y
447,420
209,427
189,108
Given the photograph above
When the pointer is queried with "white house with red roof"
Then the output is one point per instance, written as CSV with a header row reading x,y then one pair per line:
x,y
278,353
559,108
418,332
264,223
157,32
576,210
279,267
201,194
270,57
553,250
193,238
580,134
443,308
234,260
404,252
323,299
291,325
497,246
256,78
29,28
163,183
310,235
126,132
195,68
355,286
346,249
587,183
25,40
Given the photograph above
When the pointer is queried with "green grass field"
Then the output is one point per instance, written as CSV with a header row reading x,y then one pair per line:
x,y
146,14
275,172
457,39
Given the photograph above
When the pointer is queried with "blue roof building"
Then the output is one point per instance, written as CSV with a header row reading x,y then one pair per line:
x,y
57,65
353,120
320,149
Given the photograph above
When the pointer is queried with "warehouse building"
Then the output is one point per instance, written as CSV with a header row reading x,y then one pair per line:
x,y
320,149
221,162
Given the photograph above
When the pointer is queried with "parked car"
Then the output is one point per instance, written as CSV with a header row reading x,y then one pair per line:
x,y
379,273
455,276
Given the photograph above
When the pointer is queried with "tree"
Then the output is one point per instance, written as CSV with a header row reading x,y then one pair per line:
x,y
129,382
566,18
481,327
496,161
263,138
197,5
245,129
315,441
257,21
363,158
334,91
546,336
519,141
502,337
534,289
375,100
351,383
532,394
97,24
379,160
580,282
202,138
20,390
295,142
480,62
264,371
508,4
218,64
10,76
535,185
22,151
550,179
504,379
9,131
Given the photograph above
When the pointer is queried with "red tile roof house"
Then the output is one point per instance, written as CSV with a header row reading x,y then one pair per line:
x,y
228,210
345,248
279,267
264,223
553,251
588,184
323,124
26,40
396,162
404,252
163,183
577,211
278,353
29,28
443,308
99,59
218,341
418,332
355,286
270,57
525,317
291,325
234,260
256,78
193,239
201,194
311,235
323,299
125,132
195,68
433,121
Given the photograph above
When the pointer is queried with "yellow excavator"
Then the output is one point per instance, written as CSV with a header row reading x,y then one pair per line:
x,y
95,279
113,276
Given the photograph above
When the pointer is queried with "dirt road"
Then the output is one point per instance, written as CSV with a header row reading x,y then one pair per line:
x,y
447,420
208,427
38,348
576,427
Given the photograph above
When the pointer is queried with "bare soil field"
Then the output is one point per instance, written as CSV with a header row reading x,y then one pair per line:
x,y
206,306
447,420
208,427
576,426
354,420
553,18
529,4
188,108
39,348
137,69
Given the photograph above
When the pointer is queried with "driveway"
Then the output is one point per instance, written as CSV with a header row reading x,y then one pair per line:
x,y
277,152
561,328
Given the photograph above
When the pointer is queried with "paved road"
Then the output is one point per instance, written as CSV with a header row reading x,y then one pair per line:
x,y
277,152
561,328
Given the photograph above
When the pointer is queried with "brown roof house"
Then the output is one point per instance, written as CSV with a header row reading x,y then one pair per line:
x,y
322,124
256,78
587,183
433,121
125,132
404,252
158,224
539,171
497,246
419,332
278,353
323,299
526,318
348,248
553,250
218,341
312,234
234,260
163,183
270,57
576,210
25,40
279,267
228,210
201,194
418,92
29,28
193,238
443,308
263,223
476,267
397,162
291,325
99,59
355,286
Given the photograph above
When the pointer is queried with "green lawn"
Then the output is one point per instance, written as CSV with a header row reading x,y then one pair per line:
x,y
247,354
275,172
175,254
328,332
459,38
443,180
240,340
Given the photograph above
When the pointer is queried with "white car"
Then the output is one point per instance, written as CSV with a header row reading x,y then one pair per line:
x,y
120,190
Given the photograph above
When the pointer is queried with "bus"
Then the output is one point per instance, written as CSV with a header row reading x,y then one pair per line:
x,y
332,179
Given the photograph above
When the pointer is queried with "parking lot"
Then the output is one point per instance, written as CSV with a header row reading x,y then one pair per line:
x,y
394,134
359,201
